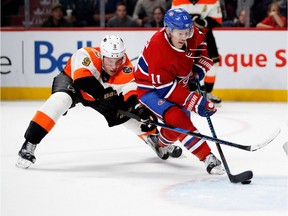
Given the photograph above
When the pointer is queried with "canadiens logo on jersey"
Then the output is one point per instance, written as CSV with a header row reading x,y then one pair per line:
x,y
171,13
127,69
184,80
189,53
161,101
86,61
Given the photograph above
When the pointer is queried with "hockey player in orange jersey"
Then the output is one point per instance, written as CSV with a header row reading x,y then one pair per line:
x,y
206,15
100,78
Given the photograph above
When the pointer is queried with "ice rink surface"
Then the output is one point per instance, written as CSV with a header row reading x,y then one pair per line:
x,y
85,168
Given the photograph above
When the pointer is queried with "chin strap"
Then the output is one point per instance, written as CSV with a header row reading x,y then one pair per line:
x,y
104,75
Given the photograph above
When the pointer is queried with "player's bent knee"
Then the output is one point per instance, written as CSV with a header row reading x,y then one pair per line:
x,y
57,104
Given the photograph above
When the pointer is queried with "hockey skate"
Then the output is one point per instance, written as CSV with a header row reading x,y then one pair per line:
x,y
213,98
213,165
26,155
163,152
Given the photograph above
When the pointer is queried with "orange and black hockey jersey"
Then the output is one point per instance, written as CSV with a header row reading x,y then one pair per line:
x,y
202,8
85,69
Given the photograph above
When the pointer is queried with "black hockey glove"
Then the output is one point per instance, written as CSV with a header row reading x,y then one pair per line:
x,y
109,102
146,116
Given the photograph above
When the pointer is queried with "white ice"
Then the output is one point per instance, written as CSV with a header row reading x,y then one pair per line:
x,y
85,168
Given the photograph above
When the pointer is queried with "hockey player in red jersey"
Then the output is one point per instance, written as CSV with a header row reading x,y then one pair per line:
x,y
100,78
174,57
206,15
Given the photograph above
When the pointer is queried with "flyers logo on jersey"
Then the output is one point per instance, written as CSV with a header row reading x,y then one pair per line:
x,y
86,61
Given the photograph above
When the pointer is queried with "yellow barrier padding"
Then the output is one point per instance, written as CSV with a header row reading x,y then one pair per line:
x,y
255,95
25,93
264,95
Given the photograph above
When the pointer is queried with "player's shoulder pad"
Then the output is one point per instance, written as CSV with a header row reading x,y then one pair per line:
x,y
90,55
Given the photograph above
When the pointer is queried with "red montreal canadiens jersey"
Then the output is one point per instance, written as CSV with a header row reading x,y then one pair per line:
x,y
163,68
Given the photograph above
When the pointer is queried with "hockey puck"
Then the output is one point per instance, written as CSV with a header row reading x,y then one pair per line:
x,y
246,182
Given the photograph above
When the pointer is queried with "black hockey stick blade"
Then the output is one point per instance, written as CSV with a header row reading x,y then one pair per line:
x,y
241,177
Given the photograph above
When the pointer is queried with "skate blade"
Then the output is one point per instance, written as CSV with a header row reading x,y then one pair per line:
x,y
23,163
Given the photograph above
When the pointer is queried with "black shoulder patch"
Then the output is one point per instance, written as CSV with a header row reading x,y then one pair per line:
x,y
127,69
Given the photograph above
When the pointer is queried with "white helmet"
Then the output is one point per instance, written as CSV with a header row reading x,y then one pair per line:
x,y
112,46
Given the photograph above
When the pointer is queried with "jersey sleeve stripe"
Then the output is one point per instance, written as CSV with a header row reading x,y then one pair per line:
x,y
143,66
143,86
172,87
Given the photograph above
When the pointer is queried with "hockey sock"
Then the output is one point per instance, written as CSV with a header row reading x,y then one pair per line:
x,y
209,84
38,128
171,117
196,146
46,117
210,78
202,151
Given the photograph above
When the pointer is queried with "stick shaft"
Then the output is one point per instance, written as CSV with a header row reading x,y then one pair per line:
x,y
183,131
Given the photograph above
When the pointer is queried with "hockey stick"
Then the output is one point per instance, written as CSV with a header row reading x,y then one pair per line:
x,y
135,58
243,177
202,136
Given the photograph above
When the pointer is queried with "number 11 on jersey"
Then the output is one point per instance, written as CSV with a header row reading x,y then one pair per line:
x,y
157,81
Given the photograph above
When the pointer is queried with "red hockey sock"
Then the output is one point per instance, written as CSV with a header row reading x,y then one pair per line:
x,y
202,151
171,118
